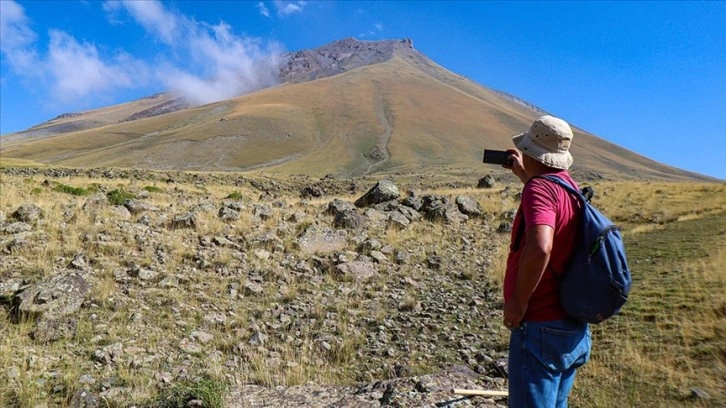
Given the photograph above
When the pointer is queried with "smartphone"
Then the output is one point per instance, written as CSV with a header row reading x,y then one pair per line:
x,y
496,157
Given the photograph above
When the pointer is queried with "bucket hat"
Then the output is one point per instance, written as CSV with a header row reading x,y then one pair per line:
x,y
547,141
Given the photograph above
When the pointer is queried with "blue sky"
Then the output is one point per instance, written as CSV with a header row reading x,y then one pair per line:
x,y
649,76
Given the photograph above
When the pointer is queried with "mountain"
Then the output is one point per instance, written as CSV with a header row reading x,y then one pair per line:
x,y
348,108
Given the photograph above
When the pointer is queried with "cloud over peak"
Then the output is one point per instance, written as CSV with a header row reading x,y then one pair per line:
x,y
204,62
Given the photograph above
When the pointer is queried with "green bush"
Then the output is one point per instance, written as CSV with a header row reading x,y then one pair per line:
x,y
117,197
153,189
76,191
235,195
211,393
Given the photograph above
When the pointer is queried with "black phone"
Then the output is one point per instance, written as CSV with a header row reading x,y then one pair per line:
x,y
496,157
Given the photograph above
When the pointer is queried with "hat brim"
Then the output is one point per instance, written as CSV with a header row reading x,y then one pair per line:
x,y
560,160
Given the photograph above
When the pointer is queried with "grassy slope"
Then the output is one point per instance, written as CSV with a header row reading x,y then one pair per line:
x,y
671,335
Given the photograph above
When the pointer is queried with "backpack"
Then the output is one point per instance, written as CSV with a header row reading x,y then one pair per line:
x,y
596,282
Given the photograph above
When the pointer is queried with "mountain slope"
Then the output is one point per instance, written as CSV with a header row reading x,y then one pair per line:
x,y
349,108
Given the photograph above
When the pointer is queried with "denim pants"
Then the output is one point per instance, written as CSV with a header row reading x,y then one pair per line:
x,y
543,358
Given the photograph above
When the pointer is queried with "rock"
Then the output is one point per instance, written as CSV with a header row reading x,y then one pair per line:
x,y
228,214
316,239
262,212
95,201
468,206
186,220
27,212
252,288
349,219
189,346
49,330
504,227
54,298
413,201
487,181
397,220
312,191
698,393
258,338
138,206
358,270
84,399
80,261
121,212
16,228
337,206
440,209
384,190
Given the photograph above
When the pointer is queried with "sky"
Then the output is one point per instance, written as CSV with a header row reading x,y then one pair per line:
x,y
648,76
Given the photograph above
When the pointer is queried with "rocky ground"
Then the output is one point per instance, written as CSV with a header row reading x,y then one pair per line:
x,y
120,288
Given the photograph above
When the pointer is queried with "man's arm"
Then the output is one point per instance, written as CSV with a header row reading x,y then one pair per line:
x,y
532,263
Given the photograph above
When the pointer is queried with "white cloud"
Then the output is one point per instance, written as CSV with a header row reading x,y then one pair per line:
x,y
209,62
203,62
225,65
16,38
164,24
263,9
286,8
77,71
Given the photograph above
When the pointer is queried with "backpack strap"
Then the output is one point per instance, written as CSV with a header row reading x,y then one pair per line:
x,y
584,198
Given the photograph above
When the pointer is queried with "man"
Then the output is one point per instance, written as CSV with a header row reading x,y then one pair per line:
x,y
546,346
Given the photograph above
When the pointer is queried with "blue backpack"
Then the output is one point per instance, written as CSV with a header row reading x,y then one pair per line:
x,y
596,282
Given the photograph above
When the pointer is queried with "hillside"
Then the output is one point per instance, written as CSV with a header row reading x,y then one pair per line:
x,y
349,108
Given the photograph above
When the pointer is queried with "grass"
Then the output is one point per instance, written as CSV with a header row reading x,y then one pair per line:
x,y
668,339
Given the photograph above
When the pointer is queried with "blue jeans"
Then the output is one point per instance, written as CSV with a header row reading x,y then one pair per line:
x,y
543,358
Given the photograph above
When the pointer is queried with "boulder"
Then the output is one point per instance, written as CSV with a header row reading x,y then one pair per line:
x,y
487,181
468,206
358,270
349,219
384,190
54,298
316,239
27,212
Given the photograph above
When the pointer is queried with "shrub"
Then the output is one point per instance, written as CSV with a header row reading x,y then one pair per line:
x,y
209,392
117,197
235,195
153,189
76,191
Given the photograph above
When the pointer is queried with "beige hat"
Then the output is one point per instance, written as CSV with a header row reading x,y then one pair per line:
x,y
547,141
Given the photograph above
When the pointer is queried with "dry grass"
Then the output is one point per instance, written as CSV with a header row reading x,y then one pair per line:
x,y
669,338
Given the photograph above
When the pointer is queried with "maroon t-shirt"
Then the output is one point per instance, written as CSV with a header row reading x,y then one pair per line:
x,y
545,203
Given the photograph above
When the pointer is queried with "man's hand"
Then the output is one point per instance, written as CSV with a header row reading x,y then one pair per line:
x,y
514,312
516,164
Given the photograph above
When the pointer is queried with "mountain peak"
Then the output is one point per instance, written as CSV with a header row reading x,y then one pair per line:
x,y
338,57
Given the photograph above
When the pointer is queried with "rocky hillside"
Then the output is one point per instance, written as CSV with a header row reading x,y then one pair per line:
x,y
140,288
